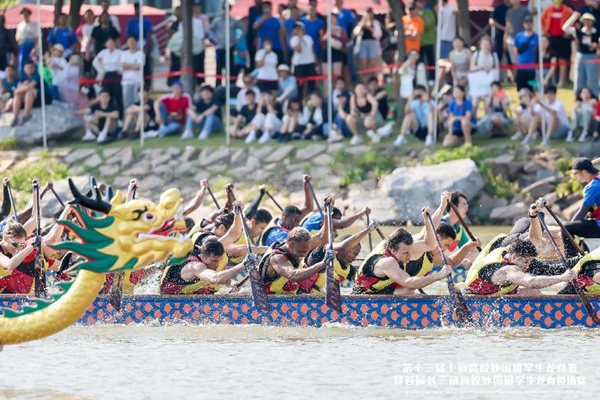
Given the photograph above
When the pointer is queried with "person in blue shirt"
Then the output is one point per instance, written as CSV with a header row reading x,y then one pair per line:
x,y
586,222
313,26
269,27
9,83
526,43
346,19
64,35
291,216
295,15
27,94
461,119
133,29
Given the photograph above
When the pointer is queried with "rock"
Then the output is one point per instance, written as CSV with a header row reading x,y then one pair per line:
x,y
77,170
310,151
109,170
551,198
261,176
61,123
51,205
151,182
511,212
572,199
137,171
589,150
184,169
544,173
515,169
323,159
203,174
162,169
126,157
253,162
537,190
526,180
424,153
531,167
214,157
161,160
334,147
108,153
77,155
332,181
93,161
382,209
280,153
294,179
238,157
189,153
486,204
174,151
319,173
413,188
570,211
242,173
262,152
355,150
368,185
6,163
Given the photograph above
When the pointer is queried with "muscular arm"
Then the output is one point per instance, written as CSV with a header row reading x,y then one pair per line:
x,y
308,200
389,268
322,236
240,250
233,233
14,262
217,278
195,202
281,265
581,214
348,221
515,275
458,256
352,241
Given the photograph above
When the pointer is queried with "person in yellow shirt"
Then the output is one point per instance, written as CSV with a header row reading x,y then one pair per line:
x,y
413,29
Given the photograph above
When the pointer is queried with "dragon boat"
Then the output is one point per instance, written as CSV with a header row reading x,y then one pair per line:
x,y
419,312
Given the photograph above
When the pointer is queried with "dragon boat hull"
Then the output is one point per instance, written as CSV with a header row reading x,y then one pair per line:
x,y
419,312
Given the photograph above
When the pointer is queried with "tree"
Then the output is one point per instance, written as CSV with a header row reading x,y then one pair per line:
x,y
187,56
464,21
74,11
58,6
397,8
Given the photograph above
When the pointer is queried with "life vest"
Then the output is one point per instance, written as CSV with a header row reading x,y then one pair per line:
x,y
368,283
585,269
316,284
595,210
172,283
274,224
421,266
479,277
277,284
21,279
461,237
492,245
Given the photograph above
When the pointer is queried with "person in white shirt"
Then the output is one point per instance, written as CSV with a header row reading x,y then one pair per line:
x,y
57,64
132,61
303,59
266,63
554,116
109,62
448,32
26,36
85,38
114,20
249,85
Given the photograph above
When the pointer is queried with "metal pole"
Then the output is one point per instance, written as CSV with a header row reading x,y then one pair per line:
x,y
436,84
41,73
329,71
540,63
227,69
142,104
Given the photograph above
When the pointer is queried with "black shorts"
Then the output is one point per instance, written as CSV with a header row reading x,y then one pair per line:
x,y
421,133
336,55
305,70
37,103
561,46
268,86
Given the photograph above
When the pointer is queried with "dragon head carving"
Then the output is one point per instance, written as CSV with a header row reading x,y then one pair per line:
x,y
125,235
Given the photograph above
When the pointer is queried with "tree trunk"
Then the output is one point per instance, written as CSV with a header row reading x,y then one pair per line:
x,y
464,22
74,11
397,8
187,56
58,6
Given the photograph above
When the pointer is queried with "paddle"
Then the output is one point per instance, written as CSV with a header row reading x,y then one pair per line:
x,y
458,301
51,187
333,297
259,295
542,202
464,224
370,235
274,201
116,289
229,189
312,190
586,303
12,201
40,275
213,197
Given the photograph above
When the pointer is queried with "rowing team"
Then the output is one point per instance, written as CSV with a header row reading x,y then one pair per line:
x,y
294,252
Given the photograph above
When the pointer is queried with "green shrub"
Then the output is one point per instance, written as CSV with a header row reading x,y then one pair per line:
x,y
567,188
8,144
497,185
377,162
475,153
44,169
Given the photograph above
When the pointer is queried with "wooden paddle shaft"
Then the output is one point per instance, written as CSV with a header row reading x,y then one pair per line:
x,y
273,199
12,201
464,224
312,190
565,231
370,235
213,197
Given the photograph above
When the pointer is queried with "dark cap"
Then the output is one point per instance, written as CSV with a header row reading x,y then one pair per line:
x,y
529,19
584,164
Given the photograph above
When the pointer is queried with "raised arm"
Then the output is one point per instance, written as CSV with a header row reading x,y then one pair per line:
x,y
427,243
308,200
196,202
535,228
322,236
349,221
282,267
251,210
134,183
355,239
390,268
236,229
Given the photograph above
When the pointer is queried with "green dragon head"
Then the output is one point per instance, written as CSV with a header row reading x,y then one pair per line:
x,y
125,236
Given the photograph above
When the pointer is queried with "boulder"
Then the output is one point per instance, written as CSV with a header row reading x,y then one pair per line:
x,y
61,123
509,213
501,164
570,211
589,150
93,161
77,155
310,152
531,167
487,203
51,205
383,209
537,190
413,188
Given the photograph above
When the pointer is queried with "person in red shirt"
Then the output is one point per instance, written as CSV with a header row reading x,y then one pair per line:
x,y
553,19
596,136
171,111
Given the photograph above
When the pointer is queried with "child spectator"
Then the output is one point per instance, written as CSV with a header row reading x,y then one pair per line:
x,y
100,119
57,64
288,87
294,121
583,113
461,119
9,84
206,114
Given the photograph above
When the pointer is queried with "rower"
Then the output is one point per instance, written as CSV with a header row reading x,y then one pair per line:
x,y
291,217
462,204
345,253
201,275
256,225
281,267
588,275
387,273
581,225
314,221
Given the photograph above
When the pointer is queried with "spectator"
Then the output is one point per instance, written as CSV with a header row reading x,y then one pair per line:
x,y
484,59
497,116
498,21
84,32
64,35
592,7
317,125
200,16
294,121
428,38
200,28
381,95
249,85
339,41
69,88
27,95
338,88
132,62
7,45
173,26
254,13
340,128
587,38
322,17
103,32
555,119
9,84
268,119
303,60
288,87
294,17
460,62
364,112
525,47
532,5
114,20
174,48
241,60
266,63
109,62
413,29
243,121
515,17
418,118
368,33
217,37
145,42
57,64
171,111
269,27
553,19
26,36
205,114
346,20
583,114
414,70
313,25
100,119
461,119
524,114
549,61
132,116
441,106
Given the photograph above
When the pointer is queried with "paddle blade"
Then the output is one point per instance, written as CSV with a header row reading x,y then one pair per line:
x,y
40,290
116,291
460,305
333,296
259,296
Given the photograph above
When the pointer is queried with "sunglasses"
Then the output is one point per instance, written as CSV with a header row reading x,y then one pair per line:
x,y
14,244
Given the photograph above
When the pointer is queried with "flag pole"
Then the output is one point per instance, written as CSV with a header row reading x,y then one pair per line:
x,y
540,62
41,74
227,73
436,84
142,104
329,70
